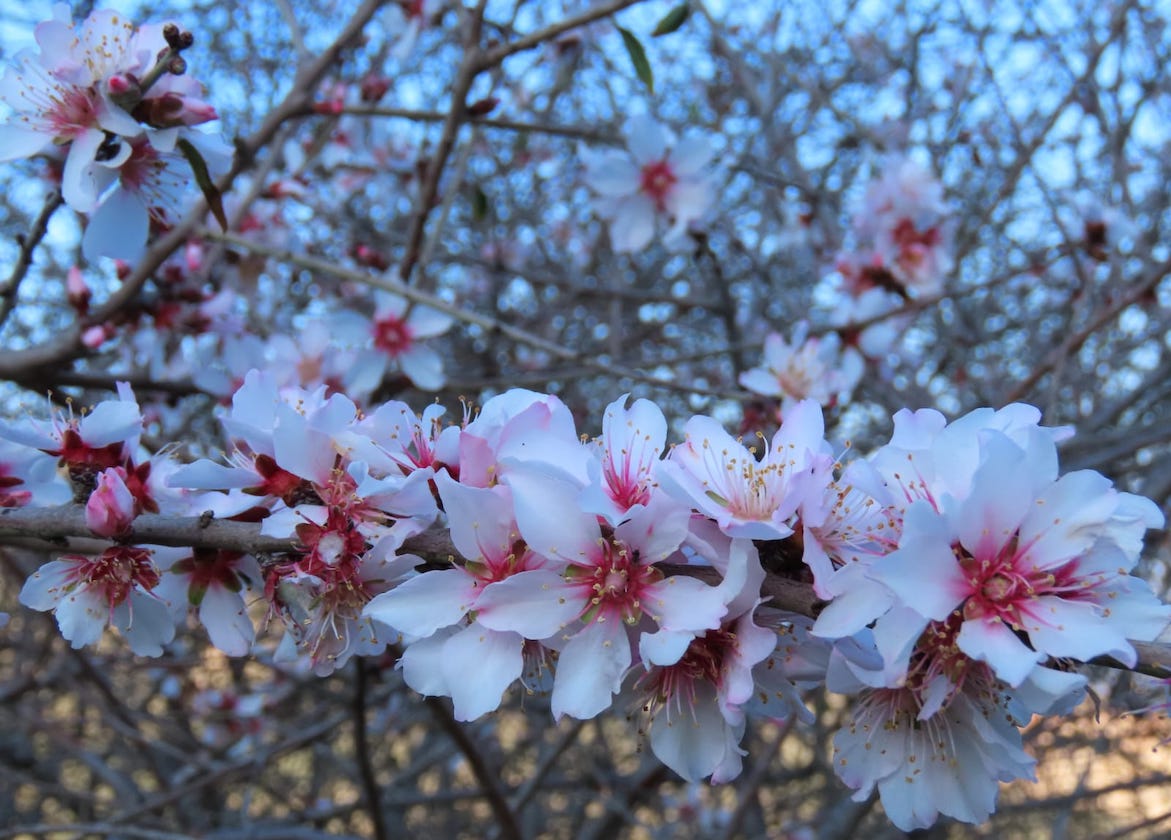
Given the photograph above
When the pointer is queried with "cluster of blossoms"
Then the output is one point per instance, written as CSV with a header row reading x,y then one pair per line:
x,y
114,102
901,252
962,573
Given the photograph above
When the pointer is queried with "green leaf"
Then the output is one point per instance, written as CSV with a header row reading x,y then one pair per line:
x,y
638,58
479,204
215,201
672,20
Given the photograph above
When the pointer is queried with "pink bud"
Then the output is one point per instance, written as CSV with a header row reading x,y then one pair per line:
x,y
76,290
94,337
119,84
193,256
110,508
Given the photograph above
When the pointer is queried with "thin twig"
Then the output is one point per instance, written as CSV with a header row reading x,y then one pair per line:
x,y
485,775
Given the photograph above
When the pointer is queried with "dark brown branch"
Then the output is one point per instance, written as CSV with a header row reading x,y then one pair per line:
x,y
28,244
55,527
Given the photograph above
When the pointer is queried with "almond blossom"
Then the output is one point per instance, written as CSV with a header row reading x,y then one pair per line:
x,y
607,585
811,367
116,587
467,660
696,696
395,335
751,495
659,185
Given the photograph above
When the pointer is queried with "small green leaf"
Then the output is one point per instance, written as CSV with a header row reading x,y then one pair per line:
x,y
479,204
638,58
215,201
672,20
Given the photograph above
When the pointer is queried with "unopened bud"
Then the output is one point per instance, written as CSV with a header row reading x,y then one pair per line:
x,y
177,66
77,291
171,34
483,106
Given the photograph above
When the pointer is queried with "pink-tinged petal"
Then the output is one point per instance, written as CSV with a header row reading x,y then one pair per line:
x,y
111,421
537,604
690,155
424,367
423,604
549,518
79,179
688,201
633,225
760,381
666,647
895,635
991,640
208,475
1001,495
480,518
422,664
611,174
915,429
590,670
1077,629
479,665
17,142
390,305
1067,517
82,616
225,616
924,575
646,139
656,530
857,601
1049,692
695,742
426,322
145,622
680,602
46,586
301,449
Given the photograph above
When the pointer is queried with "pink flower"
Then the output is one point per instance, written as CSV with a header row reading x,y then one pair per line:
x,y
397,331
902,219
816,368
117,587
215,582
660,185
696,693
751,496
609,583
622,475
466,660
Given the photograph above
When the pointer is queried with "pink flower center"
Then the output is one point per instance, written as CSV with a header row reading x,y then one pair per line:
x,y
673,686
393,335
115,572
657,181
1007,583
616,581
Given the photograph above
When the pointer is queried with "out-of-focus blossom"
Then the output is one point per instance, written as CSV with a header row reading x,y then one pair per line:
x,y
397,332
657,185
816,368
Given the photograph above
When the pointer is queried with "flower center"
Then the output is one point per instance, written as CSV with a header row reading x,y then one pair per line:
x,y
657,180
393,336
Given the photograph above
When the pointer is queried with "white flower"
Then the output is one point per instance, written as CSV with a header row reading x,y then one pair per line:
x,y
660,185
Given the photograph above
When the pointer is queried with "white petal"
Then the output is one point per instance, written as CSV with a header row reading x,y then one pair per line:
x,y
590,670
480,664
